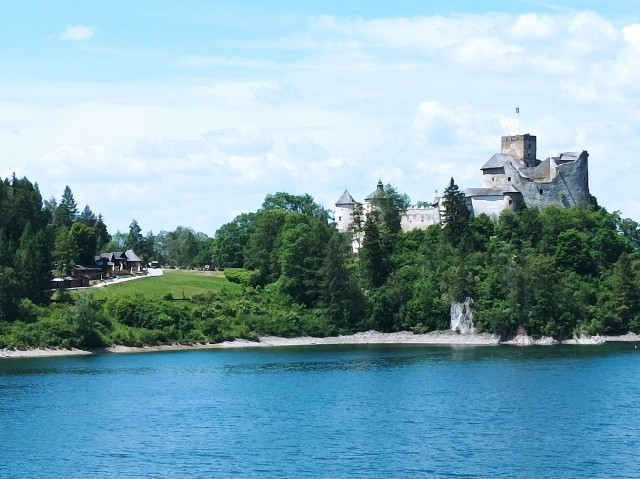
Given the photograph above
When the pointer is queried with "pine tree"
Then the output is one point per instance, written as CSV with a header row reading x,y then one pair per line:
x,y
373,262
67,211
134,239
87,217
102,235
456,214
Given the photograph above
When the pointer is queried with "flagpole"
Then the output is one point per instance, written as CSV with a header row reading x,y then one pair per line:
x,y
518,113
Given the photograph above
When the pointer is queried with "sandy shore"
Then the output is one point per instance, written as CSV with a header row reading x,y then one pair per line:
x,y
369,337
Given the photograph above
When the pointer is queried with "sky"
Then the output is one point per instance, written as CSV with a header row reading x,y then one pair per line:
x,y
188,113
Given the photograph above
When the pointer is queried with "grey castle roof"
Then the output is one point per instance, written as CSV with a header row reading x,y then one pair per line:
x,y
471,192
346,199
511,189
497,161
379,190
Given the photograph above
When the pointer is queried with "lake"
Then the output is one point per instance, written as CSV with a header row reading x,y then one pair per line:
x,y
325,411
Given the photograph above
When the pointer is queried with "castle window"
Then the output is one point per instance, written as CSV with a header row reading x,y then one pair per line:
x,y
541,191
509,178
510,202
339,218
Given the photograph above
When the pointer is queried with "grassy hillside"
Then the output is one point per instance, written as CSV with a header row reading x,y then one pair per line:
x,y
180,283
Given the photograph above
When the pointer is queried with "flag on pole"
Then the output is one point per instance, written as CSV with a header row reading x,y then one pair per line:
x,y
518,110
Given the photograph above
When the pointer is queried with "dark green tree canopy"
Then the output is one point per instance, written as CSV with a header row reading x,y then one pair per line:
x,y
293,203
456,213
66,212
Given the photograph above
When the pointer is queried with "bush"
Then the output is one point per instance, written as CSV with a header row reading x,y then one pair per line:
x,y
240,276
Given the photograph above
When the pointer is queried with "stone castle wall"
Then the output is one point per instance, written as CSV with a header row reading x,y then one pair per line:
x,y
567,187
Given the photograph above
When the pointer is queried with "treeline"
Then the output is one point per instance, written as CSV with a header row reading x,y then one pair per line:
x,y
552,272
555,272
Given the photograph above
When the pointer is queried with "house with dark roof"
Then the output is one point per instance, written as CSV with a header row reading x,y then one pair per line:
x,y
119,262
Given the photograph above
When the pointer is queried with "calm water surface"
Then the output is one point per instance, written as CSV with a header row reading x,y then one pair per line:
x,y
365,411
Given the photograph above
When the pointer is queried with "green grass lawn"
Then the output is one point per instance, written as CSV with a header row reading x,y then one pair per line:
x,y
180,283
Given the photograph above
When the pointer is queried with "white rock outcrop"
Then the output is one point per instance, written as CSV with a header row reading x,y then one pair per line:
x,y
462,316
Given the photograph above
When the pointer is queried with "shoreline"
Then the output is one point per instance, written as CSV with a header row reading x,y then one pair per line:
x,y
444,338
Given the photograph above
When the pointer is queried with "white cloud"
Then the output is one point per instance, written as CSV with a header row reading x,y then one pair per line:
x,y
209,61
242,140
534,26
77,33
631,35
248,168
489,53
303,148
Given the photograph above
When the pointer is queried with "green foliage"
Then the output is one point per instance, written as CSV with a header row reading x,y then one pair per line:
x,y
230,241
294,204
373,256
456,214
90,323
66,212
240,276
261,253
390,205
134,239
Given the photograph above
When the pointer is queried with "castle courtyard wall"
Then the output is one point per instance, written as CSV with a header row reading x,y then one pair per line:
x,y
569,187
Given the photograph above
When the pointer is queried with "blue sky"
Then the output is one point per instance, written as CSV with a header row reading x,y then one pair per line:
x,y
189,113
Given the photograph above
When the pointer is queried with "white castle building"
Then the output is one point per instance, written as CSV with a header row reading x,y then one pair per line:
x,y
510,178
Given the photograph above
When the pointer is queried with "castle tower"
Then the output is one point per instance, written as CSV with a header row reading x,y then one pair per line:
x,y
521,147
344,211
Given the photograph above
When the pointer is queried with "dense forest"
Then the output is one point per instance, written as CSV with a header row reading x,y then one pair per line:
x,y
555,272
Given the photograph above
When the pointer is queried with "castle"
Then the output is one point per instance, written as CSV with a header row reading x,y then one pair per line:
x,y
510,178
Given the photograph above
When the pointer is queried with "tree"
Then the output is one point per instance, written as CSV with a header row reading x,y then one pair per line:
x,y
33,264
456,214
117,242
230,241
90,323
261,253
64,253
619,304
301,255
10,294
340,296
67,211
87,217
83,240
76,245
574,253
20,203
181,247
134,239
147,247
391,205
102,235
294,204
373,261
356,229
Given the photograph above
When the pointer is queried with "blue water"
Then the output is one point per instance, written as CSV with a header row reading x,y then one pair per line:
x,y
366,411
